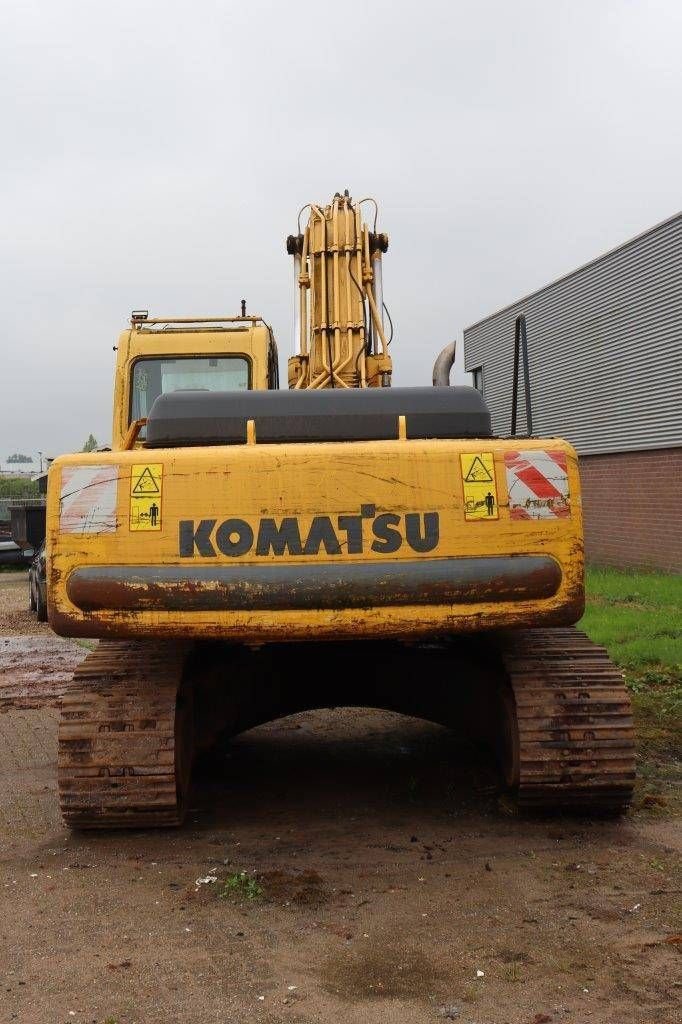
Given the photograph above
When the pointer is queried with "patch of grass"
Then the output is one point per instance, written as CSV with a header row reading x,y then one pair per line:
x,y
638,618
242,886
658,712
89,645
655,588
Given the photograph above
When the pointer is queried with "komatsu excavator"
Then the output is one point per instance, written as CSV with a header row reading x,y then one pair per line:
x,y
242,553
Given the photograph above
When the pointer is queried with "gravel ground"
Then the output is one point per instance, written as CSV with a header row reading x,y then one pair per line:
x,y
384,881
15,618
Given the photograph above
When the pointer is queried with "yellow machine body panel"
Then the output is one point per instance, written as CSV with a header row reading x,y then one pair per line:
x,y
284,542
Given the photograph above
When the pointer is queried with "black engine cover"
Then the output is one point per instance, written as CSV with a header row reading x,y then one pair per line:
x,y
196,418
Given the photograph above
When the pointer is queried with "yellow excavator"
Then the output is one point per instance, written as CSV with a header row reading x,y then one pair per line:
x,y
244,552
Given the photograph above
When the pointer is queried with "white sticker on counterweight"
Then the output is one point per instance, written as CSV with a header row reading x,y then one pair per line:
x,y
87,502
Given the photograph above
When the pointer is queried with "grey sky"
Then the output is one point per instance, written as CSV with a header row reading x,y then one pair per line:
x,y
156,154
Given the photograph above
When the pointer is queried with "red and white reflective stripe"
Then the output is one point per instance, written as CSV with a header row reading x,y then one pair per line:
x,y
87,501
537,482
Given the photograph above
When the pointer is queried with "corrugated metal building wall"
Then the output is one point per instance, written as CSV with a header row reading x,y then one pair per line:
x,y
605,353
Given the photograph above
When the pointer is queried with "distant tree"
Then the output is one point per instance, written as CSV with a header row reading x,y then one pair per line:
x,y
13,487
18,457
90,444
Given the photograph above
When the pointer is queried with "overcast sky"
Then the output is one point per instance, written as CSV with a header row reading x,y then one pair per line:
x,y
155,155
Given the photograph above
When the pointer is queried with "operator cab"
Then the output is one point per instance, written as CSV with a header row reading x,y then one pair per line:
x,y
158,357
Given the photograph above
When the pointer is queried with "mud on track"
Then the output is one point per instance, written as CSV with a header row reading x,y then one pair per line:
x,y
386,875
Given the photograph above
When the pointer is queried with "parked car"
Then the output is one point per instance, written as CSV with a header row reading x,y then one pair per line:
x,y
37,585
10,553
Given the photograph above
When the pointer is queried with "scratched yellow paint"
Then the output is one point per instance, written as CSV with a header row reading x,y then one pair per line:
x,y
411,492
249,482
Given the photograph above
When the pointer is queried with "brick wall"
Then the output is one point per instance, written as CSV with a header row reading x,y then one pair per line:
x,y
632,503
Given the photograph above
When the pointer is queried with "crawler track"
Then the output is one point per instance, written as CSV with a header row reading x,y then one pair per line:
x,y
570,739
125,737
126,730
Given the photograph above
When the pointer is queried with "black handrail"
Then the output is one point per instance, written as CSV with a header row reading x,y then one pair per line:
x,y
521,346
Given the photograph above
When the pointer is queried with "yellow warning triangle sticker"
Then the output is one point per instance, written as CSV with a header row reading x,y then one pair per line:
x,y
146,484
478,473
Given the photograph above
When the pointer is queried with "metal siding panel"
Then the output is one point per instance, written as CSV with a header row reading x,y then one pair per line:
x,y
605,350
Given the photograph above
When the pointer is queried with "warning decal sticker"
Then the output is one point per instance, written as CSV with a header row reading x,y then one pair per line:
x,y
480,489
87,500
537,482
145,496
147,483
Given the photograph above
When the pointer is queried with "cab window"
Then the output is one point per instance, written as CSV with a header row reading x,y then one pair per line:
x,y
154,377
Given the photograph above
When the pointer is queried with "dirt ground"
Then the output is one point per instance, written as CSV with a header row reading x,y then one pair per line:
x,y
385,882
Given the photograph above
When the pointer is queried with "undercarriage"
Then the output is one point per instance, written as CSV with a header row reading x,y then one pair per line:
x,y
548,702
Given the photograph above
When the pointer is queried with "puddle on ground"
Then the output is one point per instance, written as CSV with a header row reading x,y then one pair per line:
x,y
34,670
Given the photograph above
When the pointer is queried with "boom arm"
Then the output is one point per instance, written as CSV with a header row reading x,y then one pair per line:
x,y
339,331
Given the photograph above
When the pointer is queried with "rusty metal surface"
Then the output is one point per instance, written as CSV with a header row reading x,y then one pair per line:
x,y
323,585
121,762
574,730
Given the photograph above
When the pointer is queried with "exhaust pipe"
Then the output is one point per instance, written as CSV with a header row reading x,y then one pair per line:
x,y
443,365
